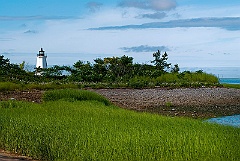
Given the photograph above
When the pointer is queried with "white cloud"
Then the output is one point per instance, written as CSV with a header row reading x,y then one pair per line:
x,y
31,32
158,5
162,4
94,6
144,48
195,11
156,15
228,23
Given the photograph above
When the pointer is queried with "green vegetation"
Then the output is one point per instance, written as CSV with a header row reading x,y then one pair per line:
x,y
9,86
237,86
184,79
110,72
74,95
73,124
89,130
13,72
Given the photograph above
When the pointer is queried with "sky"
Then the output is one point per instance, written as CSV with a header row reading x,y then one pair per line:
x,y
194,33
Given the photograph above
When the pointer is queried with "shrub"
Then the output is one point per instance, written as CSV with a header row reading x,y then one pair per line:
x,y
139,82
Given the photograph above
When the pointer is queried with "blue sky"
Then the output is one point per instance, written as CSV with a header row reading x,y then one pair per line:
x,y
195,33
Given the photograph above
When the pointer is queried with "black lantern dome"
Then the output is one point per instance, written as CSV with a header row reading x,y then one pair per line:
x,y
41,52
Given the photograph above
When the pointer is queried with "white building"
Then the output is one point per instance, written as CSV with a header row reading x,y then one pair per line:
x,y
41,59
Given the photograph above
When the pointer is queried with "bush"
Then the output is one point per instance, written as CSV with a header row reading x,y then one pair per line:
x,y
139,82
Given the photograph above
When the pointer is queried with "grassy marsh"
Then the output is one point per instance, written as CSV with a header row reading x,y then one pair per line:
x,y
67,129
237,86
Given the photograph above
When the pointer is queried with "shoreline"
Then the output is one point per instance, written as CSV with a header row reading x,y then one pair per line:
x,y
182,102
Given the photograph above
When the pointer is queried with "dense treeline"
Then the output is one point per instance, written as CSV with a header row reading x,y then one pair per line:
x,y
13,72
110,71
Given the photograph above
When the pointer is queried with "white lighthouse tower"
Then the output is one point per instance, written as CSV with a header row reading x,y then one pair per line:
x,y
41,59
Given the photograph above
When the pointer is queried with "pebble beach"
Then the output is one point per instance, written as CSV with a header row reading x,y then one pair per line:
x,y
190,102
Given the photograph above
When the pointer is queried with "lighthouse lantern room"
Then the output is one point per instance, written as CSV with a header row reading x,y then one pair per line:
x,y
41,59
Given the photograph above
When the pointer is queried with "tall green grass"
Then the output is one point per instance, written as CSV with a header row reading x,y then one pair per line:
x,y
74,95
52,85
236,86
10,86
90,130
186,79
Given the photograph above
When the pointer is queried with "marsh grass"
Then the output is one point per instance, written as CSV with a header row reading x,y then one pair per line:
x,y
90,130
236,86
52,85
186,79
74,95
9,86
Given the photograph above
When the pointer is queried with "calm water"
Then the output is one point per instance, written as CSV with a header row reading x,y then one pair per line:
x,y
227,120
230,80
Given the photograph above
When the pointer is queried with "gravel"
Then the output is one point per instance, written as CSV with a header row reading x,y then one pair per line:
x,y
191,102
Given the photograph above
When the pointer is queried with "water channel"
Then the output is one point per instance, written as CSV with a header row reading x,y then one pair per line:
x,y
227,120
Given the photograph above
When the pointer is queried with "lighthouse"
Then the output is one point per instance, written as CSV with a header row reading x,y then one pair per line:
x,y
41,59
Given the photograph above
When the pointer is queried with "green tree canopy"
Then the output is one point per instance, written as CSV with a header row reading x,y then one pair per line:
x,y
160,61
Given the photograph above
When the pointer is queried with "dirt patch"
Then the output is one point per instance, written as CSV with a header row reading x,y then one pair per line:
x,y
30,96
7,156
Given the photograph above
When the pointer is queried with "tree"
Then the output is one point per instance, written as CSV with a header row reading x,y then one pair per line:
x,y
55,71
9,72
160,61
22,65
99,69
175,69
117,68
82,71
142,70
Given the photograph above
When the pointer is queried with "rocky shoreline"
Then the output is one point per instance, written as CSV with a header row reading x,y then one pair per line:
x,y
187,102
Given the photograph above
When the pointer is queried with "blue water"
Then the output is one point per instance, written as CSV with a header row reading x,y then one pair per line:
x,y
221,72
227,120
229,80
